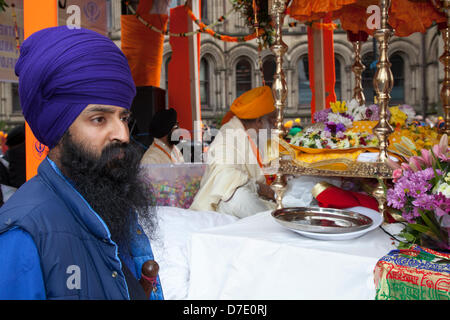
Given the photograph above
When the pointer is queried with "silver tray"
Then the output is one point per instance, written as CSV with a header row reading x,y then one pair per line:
x,y
321,220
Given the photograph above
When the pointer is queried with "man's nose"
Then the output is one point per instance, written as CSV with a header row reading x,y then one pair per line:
x,y
120,132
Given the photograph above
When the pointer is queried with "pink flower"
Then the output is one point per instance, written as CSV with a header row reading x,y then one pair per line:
x,y
406,167
397,174
393,164
414,164
441,150
426,158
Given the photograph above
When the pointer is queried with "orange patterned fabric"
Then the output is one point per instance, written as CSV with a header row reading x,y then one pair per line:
x,y
405,17
308,10
144,47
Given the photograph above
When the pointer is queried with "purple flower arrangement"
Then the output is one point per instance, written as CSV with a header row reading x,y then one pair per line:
x,y
373,113
421,193
322,115
334,128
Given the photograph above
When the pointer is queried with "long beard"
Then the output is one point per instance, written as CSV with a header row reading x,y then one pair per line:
x,y
112,184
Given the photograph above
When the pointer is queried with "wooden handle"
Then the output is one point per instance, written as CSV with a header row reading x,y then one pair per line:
x,y
149,275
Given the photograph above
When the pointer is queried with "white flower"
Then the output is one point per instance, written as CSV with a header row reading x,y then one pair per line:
x,y
325,134
444,188
343,144
409,111
336,118
358,112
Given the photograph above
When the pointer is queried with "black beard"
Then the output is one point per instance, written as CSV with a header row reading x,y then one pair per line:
x,y
170,140
112,184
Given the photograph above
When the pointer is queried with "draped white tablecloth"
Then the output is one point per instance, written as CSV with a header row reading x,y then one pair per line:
x,y
256,258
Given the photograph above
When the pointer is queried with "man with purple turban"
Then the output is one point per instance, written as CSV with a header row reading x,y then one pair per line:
x,y
76,230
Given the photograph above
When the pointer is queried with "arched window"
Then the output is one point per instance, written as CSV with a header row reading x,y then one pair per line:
x,y
304,90
16,108
338,83
204,83
398,72
204,11
269,68
243,77
367,77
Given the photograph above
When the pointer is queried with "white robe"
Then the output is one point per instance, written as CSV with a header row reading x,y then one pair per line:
x,y
154,155
229,184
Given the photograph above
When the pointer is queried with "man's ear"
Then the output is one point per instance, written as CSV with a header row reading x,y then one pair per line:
x,y
55,153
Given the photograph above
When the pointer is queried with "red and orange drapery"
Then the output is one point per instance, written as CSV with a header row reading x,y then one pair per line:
x,y
405,16
142,46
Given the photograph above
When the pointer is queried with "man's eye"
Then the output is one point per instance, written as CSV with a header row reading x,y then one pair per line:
x,y
126,119
98,120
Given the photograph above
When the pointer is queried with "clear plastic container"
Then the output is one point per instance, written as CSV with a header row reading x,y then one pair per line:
x,y
174,185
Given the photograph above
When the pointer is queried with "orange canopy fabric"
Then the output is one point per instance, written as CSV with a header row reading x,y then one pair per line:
x,y
405,17
309,10
142,46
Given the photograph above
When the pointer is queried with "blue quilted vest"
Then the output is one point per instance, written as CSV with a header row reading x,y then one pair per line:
x,y
78,258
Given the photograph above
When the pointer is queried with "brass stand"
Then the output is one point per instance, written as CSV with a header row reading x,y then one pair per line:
x,y
383,83
277,9
444,6
358,68
445,90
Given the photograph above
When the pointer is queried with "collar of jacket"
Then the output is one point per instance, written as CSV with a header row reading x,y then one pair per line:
x,y
53,177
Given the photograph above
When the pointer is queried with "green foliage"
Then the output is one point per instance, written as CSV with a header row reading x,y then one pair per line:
x,y
3,125
263,16
3,5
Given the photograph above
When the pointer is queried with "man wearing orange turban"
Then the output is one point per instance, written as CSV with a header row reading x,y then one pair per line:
x,y
234,182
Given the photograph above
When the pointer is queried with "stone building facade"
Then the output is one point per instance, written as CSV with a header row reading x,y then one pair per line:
x,y
228,69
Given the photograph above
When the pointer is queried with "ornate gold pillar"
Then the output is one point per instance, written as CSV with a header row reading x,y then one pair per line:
x,y
383,81
444,6
277,10
357,39
445,91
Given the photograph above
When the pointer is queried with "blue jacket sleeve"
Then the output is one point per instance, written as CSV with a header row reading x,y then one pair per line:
x,y
20,270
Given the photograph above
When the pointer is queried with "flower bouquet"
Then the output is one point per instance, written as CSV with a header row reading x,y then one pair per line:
x,y
421,194
332,128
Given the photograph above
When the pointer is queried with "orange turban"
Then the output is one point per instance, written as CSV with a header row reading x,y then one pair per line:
x,y
252,104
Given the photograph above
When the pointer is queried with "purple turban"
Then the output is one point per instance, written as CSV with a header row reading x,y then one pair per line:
x,y
63,70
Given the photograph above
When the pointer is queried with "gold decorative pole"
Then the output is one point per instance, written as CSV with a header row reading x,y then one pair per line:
x,y
444,6
277,10
358,69
357,39
383,83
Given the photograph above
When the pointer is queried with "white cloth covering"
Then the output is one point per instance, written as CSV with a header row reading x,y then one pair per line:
x,y
256,258
170,246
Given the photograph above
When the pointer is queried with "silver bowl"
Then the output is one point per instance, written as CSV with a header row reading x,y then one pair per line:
x,y
321,220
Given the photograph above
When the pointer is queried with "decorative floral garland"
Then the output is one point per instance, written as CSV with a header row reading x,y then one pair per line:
x,y
203,27
166,32
258,17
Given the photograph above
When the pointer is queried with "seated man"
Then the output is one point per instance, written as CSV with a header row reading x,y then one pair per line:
x,y
234,182
73,231
163,149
